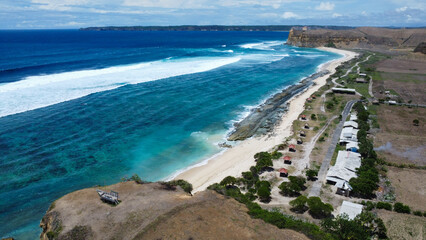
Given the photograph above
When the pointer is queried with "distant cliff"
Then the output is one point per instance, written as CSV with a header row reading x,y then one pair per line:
x,y
364,37
154,211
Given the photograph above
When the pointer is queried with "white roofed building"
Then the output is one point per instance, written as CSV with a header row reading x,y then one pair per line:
x,y
351,124
349,134
345,168
351,209
352,146
353,117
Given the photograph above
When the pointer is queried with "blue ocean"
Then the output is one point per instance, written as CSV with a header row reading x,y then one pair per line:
x,y
81,108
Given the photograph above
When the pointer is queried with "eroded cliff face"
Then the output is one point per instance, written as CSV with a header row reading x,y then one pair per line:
x,y
153,211
365,37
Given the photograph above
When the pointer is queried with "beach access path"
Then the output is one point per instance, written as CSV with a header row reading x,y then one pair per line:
x,y
239,158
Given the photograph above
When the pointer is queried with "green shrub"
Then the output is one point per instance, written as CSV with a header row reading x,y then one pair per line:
x,y
313,116
311,174
136,178
418,213
401,208
276,155
228,181
384,205
186,186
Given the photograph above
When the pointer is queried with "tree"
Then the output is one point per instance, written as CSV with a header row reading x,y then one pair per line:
x,y
263,191
293,187
313,116
343,228
318,209
299,204
416,122
264,194
363,187
364,226
311,174
228,181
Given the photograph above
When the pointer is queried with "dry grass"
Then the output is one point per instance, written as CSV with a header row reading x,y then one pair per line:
x,y
398,140
403,226
409,186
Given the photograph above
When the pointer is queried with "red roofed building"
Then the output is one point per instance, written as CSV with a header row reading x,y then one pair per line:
x,y
283,172
292,148
303,117
287,160
313,96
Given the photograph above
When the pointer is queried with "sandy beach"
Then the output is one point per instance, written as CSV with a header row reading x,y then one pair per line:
x,y
240,158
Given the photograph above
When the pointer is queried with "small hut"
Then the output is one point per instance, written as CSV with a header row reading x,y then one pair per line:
x,y
303,117
306,126
287,160
292,148
313,96
299,141
111,197
283,172
309,99
302,134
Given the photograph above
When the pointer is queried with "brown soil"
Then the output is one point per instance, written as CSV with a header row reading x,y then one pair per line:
x,y
148,211
398,140
403,226
409,187
396,65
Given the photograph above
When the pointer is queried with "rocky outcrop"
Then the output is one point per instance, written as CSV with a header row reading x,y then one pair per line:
x,y
364,37
154,211
262,119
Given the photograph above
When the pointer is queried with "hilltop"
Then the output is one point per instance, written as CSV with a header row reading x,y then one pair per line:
x,y
154,211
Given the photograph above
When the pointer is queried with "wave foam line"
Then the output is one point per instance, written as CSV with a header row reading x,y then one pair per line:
x,y
41,91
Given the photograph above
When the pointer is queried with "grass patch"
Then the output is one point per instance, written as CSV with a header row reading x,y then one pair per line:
x,y
362,88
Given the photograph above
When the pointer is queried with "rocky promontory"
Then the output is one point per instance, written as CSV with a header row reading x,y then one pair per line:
x,y
363,37
154,211
262,119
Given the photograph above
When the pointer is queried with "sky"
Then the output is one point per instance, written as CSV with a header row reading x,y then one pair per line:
x,y
58,14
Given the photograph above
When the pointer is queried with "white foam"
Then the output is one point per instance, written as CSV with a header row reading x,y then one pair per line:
x,y
41,91
262,45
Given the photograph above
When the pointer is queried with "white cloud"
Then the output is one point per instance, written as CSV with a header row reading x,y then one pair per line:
x,y
402,9
325,6
336,15
288,15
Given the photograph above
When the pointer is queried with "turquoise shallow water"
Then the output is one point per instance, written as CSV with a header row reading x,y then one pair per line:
x,y
105,128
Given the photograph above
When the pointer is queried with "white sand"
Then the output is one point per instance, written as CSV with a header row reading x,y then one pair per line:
x,y
240,158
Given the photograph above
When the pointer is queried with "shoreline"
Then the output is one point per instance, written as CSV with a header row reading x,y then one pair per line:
x,y
233,161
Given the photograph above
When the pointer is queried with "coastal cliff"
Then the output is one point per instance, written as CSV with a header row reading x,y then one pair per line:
x,y
154,211
364,37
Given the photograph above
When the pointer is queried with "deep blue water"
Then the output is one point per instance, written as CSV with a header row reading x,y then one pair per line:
x,y
104,105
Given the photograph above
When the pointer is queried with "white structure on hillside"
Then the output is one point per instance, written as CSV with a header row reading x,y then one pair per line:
x,y
351,124
351,209
353,117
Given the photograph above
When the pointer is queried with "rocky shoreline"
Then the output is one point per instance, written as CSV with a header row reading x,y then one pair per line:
x,y
262,119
